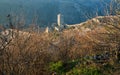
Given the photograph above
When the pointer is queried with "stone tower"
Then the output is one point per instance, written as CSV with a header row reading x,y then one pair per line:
x,y
60,20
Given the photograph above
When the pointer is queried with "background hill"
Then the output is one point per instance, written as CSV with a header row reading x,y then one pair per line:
x,y
74,11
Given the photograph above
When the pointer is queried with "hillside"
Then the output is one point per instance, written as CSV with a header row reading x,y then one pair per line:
x,y
88,48
100,23
46,11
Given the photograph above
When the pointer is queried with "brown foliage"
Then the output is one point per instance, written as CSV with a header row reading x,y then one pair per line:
x,y
29,53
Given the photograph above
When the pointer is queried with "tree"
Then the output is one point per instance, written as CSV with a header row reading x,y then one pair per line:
x,y
116,6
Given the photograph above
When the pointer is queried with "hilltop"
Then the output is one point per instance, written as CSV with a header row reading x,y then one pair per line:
x,y
97,22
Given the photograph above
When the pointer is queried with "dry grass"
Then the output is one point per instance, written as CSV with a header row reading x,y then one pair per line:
x,y
29,53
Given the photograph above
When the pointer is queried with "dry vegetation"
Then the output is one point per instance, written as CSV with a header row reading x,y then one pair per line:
x,y
70,52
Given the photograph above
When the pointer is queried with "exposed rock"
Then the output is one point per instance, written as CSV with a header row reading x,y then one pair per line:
x,y
47,30
10,34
